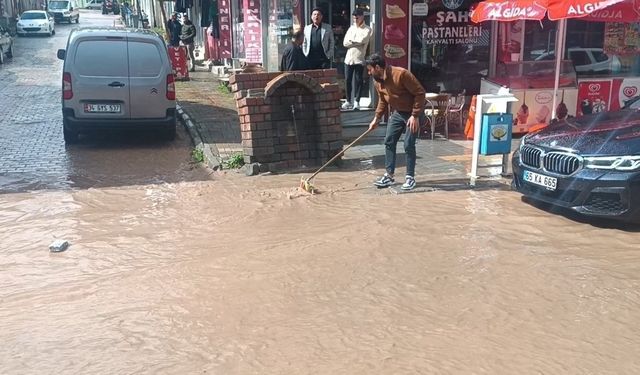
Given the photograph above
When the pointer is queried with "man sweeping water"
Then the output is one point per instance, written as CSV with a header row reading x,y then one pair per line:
x,y
400,89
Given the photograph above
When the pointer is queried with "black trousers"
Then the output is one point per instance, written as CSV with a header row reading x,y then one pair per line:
x,y
353,77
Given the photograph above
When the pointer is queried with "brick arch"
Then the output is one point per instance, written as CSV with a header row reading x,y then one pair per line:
x,y
300,78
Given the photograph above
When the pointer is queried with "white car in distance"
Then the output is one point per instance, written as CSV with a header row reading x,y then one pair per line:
x,y
36,22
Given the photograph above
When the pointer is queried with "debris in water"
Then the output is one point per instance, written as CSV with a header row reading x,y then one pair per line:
x,y
58,246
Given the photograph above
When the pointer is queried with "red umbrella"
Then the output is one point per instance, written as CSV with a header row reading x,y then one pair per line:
x,y
626,11
509,10
563,9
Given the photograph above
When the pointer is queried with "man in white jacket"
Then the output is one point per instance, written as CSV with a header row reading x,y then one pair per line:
x,y
357,41
319,42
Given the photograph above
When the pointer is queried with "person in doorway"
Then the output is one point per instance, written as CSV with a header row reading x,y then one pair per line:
x,y
399,89
319,42
292,57
174,28
357,41
188,36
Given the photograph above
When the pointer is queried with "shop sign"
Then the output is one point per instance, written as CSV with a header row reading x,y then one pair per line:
x,y
178,57
224,11
593,97
252,31
451,27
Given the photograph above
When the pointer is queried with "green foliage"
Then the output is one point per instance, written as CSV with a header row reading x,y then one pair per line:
x,y
197,155
235,161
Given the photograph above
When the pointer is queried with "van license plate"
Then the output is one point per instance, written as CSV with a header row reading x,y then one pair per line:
x,y
102,108
538,179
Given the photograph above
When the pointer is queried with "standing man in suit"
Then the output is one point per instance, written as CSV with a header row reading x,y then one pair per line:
x,y
319,42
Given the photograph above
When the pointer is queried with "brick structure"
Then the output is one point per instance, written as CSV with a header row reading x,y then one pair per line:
x,y
288,120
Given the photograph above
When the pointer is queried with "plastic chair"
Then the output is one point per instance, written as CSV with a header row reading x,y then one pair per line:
x,y
436,112
456,106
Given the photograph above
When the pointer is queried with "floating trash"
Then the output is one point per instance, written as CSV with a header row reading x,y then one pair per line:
x,y
58,246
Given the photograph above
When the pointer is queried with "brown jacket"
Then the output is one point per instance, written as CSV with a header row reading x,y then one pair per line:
x,y
400,90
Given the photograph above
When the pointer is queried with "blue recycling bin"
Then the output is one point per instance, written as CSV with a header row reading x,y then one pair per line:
x,y
496,133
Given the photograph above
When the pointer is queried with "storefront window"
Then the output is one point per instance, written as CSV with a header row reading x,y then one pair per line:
x,y
281,26
449,52
603,48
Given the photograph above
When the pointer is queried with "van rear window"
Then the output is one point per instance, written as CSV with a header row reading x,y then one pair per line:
x,y
102,58
144,59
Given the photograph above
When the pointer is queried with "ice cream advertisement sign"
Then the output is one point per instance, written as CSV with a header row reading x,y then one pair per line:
x,y
623,90
626,11
593,97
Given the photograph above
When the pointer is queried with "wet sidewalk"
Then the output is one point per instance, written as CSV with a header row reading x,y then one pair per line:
x,y
209,111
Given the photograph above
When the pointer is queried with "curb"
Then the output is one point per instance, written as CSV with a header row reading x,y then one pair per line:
x,y
210,158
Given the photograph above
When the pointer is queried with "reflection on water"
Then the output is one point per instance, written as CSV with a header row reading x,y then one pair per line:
x,y
247,275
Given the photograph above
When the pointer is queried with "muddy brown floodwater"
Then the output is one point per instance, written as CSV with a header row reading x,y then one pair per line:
x,y
248,276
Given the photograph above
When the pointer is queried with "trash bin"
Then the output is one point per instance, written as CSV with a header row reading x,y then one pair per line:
x,y
496,133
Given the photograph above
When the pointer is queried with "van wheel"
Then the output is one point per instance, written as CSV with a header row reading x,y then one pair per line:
x,y
70,136
10,51
1,56
78,19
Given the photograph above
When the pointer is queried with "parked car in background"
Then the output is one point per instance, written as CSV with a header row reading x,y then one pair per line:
x,y
36,22
94,4
6,44
117,78
64,10
589,164
588,60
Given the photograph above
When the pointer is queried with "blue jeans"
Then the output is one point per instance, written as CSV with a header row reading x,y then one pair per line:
x,y
395,126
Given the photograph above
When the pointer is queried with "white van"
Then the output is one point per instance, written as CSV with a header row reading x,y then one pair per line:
x,y
64,10
117,78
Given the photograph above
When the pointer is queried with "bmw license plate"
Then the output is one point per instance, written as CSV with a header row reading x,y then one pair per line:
x,y
548,182
102,108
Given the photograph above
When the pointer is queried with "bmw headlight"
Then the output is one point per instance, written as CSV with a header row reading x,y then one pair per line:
x,y
615,163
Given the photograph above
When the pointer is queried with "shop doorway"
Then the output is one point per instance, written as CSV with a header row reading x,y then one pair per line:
x,y
337,13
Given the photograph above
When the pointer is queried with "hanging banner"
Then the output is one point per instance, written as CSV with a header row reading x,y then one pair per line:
x,y
252,31
224,9
395,26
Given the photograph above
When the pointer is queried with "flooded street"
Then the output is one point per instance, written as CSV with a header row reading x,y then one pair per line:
x,y
247,275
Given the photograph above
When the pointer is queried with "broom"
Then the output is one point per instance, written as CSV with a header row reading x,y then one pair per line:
x,y
306,185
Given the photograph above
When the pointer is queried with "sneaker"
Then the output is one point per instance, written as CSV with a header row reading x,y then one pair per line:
x,y
346,106
384,181
409,183
356,106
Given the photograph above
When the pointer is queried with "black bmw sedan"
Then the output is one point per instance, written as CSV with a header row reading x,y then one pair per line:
x,y
589,164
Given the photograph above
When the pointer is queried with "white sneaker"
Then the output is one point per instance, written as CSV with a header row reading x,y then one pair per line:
x,y
409,183
346,105
356,106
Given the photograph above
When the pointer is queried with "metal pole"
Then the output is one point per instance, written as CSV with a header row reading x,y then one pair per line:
x,y
560,36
